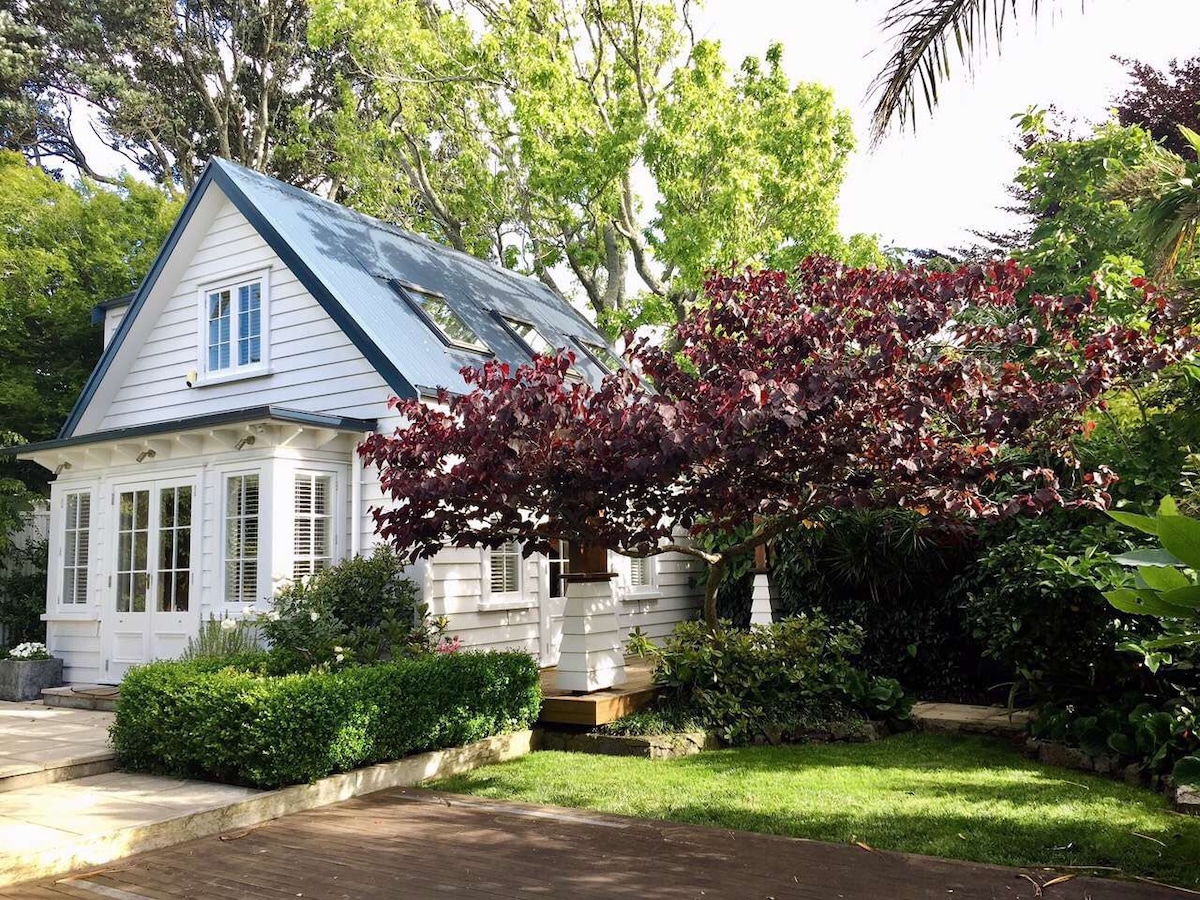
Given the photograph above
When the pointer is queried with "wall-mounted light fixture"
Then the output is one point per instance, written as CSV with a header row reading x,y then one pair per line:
x,y
60,468
146,454
244,442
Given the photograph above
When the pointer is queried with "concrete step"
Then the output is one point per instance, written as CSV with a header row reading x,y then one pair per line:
x,y
959,718
99,697
41,745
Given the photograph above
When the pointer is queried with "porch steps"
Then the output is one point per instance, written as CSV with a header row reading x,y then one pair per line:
x,y
98,697
41,746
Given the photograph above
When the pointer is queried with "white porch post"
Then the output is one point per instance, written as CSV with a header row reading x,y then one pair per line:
x,y
762,599
591,657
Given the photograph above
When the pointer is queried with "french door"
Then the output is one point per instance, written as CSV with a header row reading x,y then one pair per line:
x,y
151,612
554,603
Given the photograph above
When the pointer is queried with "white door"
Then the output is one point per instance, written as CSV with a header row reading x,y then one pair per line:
x,y
554,604
151,612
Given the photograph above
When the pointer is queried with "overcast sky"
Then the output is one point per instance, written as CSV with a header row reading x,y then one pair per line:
x,y
930,188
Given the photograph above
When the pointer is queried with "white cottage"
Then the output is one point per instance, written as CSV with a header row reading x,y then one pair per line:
x,y
211,454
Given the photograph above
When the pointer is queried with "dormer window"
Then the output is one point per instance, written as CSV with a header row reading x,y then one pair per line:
x,y
233,327
602,356
438,314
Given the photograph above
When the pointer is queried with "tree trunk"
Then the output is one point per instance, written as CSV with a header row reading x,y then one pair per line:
x,y
716,575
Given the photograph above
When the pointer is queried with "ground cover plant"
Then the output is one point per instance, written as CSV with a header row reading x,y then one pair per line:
x,y
960,798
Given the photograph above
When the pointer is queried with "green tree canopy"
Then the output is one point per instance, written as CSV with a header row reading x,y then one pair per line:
x,y
62,250
589,138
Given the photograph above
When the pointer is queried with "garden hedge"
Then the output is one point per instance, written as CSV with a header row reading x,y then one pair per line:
x,y
232,723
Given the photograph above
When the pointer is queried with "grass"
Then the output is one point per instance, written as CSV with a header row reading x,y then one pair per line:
x,y
961,798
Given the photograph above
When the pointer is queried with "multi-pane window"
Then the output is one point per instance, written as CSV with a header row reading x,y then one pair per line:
x,y
641,572
77,538
234,326
241,538
559,559
505,571
313,535
174,548
133,539
449,324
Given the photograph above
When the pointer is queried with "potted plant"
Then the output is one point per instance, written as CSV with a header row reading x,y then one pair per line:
x,y
26,670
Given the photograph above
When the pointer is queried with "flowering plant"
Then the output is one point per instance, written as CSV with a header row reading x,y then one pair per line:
x,y
29,650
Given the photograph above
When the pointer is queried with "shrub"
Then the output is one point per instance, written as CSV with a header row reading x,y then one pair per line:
x,y
1032,602
363,609
23,591
772,680
207,718
222,638
890,571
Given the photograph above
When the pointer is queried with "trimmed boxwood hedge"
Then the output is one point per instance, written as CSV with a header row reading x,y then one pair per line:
x,y
226,720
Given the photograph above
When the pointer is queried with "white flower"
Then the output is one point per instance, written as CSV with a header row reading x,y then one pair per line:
x,y
341,657
28,650
314,615
273,615
338,650
228,625
249,611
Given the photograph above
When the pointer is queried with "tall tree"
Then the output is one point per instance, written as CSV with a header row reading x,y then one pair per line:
x,y
1160,101
63,249
536,132
793,393
167,85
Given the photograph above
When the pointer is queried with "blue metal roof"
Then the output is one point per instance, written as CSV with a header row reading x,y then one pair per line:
x,y
351,263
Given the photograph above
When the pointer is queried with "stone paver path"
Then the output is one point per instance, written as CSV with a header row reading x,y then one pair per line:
x,y
415,844
36,738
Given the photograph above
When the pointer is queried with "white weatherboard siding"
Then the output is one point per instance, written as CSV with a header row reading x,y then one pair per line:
x,y
112,319
314,367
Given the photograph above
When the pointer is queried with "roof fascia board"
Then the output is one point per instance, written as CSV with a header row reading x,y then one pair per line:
x,y
212,420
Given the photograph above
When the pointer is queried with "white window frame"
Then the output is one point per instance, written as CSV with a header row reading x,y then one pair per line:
x,y
515,599
331,516
73,565
650,589
264,507
234,372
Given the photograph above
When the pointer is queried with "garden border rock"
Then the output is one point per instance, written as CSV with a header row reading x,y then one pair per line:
x,y
651,746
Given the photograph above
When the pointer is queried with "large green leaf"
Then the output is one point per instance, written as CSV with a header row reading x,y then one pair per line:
x,y
1142,603
1180,535
1175,640
1163,578
1147,558
1167,507
1133,520
1187,771
1186,597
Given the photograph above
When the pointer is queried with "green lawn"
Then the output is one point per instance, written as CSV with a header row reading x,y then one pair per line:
x,y
955,797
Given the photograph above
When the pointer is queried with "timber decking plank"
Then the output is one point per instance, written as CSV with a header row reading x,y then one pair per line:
x,y
421,844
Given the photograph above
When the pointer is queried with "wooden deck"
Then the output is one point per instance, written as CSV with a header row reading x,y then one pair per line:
x,y
421,845
598,707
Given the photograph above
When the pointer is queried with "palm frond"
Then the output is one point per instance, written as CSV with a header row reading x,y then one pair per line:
x,y
1164,195
929,35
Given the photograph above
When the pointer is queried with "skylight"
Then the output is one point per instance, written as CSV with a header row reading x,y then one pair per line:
x,y
449,325
533,338
603,357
